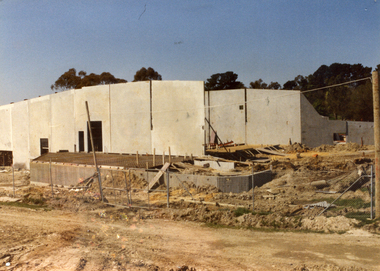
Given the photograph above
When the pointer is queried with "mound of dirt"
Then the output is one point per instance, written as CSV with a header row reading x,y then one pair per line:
x,y
324,148
120,179
329,224
348,147
296,147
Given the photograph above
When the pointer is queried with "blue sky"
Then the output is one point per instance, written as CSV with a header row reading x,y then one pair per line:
x,y
274,40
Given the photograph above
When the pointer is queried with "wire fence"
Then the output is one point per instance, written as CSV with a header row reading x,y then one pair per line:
x,y
150,188
354,206
131,188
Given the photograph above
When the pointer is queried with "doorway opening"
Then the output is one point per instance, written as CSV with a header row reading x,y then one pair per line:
x,y
44,145
81,141
6,158
96,129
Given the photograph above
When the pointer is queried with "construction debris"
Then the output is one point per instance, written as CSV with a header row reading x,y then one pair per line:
x,y
159,174
9,199
323,204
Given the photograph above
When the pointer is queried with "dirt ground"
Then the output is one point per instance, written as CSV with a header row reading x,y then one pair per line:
x,y
207,230
61,240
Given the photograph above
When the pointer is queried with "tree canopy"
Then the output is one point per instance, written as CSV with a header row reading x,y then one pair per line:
x,y
260,84
146,74
220,81
70,80
352,101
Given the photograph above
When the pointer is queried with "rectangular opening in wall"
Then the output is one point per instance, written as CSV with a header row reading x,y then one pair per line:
x,y
44,145
339,138
6,158
96,129
81,141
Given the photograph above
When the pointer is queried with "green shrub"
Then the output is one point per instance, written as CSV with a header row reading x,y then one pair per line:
x,y
241,211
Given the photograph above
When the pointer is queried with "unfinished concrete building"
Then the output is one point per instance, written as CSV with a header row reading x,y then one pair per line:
x,y
125,118
155,115
267,116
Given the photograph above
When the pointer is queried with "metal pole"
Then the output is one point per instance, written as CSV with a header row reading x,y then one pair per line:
x,y
51,180
167,187
93,152
376,118
371,192
13,172
253,190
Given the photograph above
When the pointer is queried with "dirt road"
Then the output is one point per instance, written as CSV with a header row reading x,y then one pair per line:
x,y
105,239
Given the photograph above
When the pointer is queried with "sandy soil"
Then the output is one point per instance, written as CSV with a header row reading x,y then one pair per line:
x,y
75,231
60,240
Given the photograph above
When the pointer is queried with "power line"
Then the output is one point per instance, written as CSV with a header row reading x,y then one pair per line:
x,y
336,85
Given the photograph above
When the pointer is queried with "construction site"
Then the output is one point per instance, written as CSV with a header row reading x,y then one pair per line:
x,y
278,225
151,182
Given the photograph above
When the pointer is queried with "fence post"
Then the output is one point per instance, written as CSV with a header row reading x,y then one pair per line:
x,y
147,188
13,173
93,153
253,190
154,157
126,187
167,187
113,186
130,187
371,192
51,180
376,120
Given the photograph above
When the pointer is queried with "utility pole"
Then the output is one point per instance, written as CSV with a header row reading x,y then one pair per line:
x,y
376,119
93,153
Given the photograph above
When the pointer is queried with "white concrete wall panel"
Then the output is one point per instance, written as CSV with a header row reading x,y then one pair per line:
x,y
99,107
273,116
62,121
6,128
40,126
227,114
130,117
336,126
20,134
360,130
317,129
178,117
